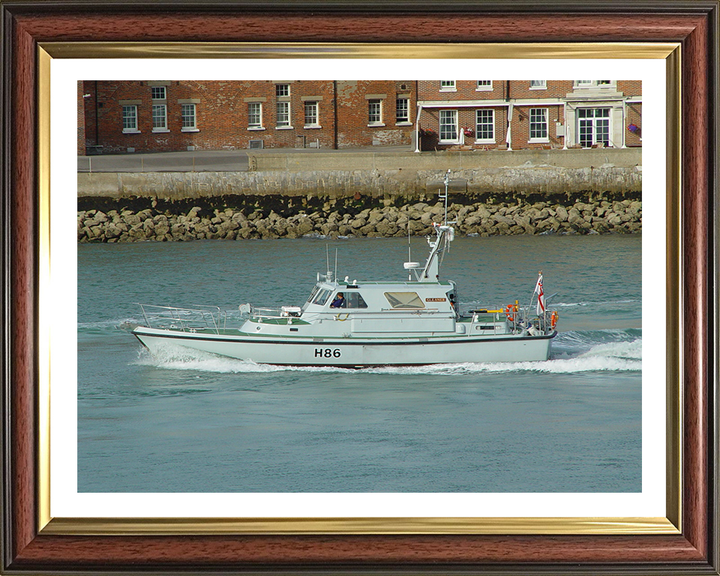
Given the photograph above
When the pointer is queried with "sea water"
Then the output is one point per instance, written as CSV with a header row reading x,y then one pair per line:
x,y
203,423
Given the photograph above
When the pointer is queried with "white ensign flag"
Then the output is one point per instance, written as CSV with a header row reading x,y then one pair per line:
x,y
541,295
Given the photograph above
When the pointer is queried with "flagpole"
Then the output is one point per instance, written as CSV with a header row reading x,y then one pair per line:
x,y
535,289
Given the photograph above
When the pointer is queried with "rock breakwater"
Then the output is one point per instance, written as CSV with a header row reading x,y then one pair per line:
x,y
477,219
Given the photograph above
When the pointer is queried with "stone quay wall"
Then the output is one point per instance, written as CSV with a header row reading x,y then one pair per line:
x,y
369,194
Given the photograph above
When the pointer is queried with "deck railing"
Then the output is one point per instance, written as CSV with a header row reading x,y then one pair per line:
x,y
518,319
203,318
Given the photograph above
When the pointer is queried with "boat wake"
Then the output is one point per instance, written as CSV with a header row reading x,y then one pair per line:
x,y
612,303
617,351
124,324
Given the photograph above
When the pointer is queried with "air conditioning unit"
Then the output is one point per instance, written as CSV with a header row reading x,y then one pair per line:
x,y
256,144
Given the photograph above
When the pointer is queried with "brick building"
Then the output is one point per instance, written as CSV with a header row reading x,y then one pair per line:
x,y
529,114
149,116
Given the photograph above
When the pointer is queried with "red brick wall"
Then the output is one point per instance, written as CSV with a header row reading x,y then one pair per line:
x,y
222,113
630,87
466,92
521,127
273,136
81,119
634,111
353,114
221,116
634,116
554,89
89,105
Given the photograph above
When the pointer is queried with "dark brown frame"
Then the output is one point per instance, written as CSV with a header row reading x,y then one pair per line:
x,y
694,24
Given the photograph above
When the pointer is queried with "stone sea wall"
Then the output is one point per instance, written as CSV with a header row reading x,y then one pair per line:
x,y
589,215
403,175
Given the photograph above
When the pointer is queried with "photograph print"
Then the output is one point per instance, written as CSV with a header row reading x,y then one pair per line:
x,y
342,286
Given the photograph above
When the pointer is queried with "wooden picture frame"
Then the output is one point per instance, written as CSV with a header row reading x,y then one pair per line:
x,y
32,544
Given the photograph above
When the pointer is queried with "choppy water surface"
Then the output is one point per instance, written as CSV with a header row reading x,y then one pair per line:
x,y
211,424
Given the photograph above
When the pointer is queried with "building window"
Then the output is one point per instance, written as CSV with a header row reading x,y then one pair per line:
x,y
594,83
283,115
375,112
484,85
402,110
485,125
538,84
159,117
130,123
187,114
311,114
282,90
158,92
593,126
255,115
448,126
447,85
538,124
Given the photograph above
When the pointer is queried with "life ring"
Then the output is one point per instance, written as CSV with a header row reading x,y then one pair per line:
x,y
337,317
509,312
553,319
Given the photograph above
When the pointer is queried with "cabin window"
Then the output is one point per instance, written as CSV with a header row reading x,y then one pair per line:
x,y
312,294
354,300
321,297
407,300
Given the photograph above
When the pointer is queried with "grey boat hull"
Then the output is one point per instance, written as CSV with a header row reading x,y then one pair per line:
x,y
349,352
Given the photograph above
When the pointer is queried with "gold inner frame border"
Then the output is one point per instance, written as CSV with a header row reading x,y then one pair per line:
x,y
671,524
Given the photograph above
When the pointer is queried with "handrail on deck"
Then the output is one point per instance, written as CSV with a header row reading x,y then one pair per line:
x,y
185,319
521,318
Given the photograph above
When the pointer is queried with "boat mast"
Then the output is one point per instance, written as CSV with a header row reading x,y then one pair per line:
x,y
445,235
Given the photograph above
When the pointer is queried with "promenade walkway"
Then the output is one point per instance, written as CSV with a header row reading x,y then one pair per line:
x,y
200,160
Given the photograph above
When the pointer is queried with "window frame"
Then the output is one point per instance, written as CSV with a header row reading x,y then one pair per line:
x,y
448,85
285,124
354,301
379,103
159,128
316,105
491,124
183,116
405,120
546,123
322,297
541,86
594,120
252,114
595,84
454,114
130,130
282,87
164,92
404,303
483,87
